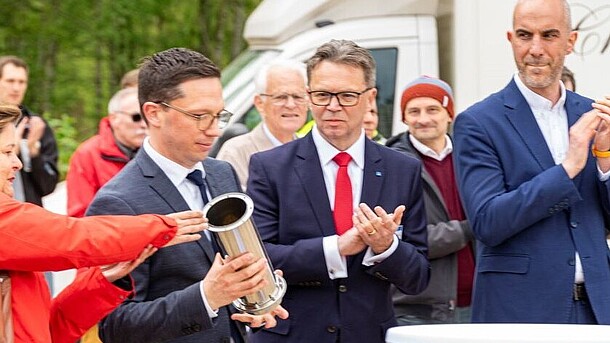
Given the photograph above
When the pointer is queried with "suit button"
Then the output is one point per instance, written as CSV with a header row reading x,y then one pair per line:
x,y
342,288
225,340
331,329
196,327
571,262
574,225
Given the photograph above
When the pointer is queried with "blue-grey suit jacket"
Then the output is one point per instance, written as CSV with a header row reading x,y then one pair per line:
x,y
167,306
293,214
528,215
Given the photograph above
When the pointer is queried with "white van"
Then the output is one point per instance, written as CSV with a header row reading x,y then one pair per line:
x,y
461,41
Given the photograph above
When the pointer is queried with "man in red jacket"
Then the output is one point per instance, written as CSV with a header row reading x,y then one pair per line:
x,y
99,158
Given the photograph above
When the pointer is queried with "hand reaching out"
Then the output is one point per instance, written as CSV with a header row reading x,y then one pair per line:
x,y
113,272
189,223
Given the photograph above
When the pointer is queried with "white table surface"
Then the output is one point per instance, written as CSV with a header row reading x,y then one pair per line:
x,y
498,333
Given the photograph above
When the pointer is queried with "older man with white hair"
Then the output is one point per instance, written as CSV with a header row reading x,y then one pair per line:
x,y
281,99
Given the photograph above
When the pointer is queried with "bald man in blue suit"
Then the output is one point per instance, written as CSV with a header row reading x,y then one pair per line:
x,y
535,191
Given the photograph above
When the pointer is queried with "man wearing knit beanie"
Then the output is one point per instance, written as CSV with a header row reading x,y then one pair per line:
x,y
427,108
428,87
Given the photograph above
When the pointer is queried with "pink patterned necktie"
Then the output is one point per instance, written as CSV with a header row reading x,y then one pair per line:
x,y
343,195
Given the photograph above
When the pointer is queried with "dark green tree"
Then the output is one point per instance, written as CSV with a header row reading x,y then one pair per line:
x,y
78,50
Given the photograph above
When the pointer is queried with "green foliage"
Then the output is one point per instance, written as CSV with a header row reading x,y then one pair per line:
x,y
65,134
78,50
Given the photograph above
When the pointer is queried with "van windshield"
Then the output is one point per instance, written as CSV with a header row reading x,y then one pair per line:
x,y
238,64
240,73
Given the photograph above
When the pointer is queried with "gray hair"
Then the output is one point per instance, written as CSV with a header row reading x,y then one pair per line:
x,y
260,81
345,52
114,105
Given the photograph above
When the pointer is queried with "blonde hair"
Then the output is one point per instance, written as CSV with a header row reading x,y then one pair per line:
x,y
9,114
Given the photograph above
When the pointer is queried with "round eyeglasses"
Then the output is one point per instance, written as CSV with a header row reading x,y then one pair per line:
x,y
282,98
204,121
345,99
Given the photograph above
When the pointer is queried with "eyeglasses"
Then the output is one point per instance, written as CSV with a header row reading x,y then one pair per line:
x,y
282,99
135,117
204,121
346,99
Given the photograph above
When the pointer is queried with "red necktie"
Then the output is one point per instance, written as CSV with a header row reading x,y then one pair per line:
x,y
343,195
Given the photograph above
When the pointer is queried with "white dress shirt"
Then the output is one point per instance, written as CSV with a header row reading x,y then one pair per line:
x,y
189,191
553,122
427,151
276,142
337,264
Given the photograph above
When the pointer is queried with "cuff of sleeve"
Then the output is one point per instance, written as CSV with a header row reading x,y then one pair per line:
x,y
211,312
336,265
603,177
370,258
166,235
125,283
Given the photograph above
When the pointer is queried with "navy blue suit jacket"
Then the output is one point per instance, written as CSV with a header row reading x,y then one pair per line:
x,y
167,306
293,214
528,215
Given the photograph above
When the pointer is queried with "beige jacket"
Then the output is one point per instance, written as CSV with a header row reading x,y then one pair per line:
x,y
237,151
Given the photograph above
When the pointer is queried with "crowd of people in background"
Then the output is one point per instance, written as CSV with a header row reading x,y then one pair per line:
x,y
498,214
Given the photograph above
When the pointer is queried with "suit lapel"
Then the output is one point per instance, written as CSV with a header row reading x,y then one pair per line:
x,y
216,181
162,185
308,170
374,173
522,119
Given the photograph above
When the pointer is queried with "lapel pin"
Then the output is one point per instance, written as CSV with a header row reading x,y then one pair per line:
x,y
377,173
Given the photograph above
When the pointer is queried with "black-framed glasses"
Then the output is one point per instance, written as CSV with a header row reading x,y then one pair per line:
x,y
135,116
345,99
204,121
282,98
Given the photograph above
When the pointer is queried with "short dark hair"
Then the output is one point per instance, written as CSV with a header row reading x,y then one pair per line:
x,y
162,73
345,52
4,60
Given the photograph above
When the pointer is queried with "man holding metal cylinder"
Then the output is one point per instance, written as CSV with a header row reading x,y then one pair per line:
x,y
180,294
344,216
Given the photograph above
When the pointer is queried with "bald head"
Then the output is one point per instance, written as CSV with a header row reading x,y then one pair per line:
x,y
541,38
524,6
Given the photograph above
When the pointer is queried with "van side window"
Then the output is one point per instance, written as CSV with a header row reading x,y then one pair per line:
x,y
386,60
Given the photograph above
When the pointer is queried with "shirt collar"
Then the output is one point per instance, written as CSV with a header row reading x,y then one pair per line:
x,y
175,172
276,142
536,101
426,151
327,152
